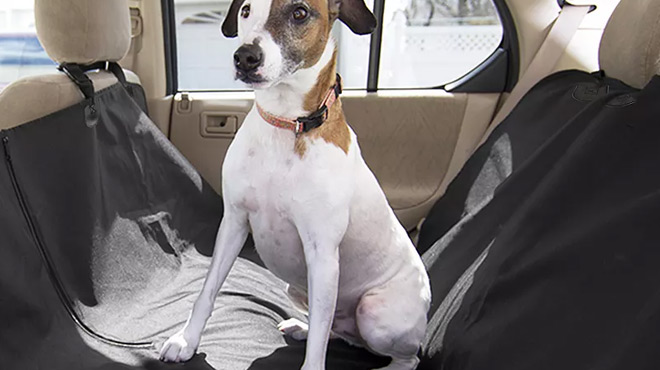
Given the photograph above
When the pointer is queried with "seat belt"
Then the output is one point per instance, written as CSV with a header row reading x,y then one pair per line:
x,y
565,26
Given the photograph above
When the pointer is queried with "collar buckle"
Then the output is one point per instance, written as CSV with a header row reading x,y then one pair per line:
x,y
312,121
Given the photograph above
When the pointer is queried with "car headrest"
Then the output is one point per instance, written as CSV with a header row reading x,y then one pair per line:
x,y
630,47
84,32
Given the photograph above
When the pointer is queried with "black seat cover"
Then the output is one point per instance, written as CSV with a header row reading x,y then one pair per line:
x,y
106,236
557,214
543,254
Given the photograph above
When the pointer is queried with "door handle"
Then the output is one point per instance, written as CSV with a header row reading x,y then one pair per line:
x,y
220,124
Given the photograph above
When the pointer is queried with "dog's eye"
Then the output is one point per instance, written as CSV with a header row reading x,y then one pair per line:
x,y
245,11
299,14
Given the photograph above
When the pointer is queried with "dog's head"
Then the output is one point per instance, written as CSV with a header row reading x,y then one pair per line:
x,y
279,37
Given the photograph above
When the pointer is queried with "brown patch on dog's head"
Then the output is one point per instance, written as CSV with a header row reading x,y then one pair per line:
x,y
304,40
301,41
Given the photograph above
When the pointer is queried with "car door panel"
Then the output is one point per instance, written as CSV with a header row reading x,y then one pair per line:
x,y
409,140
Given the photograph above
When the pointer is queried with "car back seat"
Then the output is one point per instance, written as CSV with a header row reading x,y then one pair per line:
x,y
537,244
107,231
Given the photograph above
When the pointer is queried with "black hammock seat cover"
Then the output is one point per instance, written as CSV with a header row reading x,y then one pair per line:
x,y
543,254
106,237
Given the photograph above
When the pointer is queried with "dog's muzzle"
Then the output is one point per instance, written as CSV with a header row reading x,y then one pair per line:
x,y
247,59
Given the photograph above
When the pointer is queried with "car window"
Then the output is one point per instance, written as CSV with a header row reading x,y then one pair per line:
x,y
21,53
424,44
430,43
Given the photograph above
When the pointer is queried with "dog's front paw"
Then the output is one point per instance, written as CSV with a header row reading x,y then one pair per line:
x,y
294,328
178,348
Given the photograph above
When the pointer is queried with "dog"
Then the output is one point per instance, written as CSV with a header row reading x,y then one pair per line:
x,y
319,219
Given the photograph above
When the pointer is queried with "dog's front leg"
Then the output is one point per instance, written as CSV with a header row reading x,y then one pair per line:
x,y
322,260
228,243
322,282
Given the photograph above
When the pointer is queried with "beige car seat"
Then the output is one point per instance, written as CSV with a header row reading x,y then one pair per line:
x,y
71,31
630,46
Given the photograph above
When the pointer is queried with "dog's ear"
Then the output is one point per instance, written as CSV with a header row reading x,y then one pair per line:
x,y
354,14
230,25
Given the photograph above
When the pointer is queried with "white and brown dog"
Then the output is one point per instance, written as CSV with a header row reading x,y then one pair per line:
x,y
319,219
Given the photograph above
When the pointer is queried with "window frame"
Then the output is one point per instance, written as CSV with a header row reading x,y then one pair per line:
x,y
169,35
507,50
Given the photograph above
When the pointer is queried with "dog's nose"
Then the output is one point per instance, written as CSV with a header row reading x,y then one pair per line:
x,y
248,57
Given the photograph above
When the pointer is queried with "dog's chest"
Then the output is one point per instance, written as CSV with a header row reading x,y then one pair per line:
x,y
267,187
262,185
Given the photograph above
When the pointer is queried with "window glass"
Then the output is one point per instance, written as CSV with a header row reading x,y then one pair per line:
x,y
205,55
352,54
20,52
430,43
425,44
